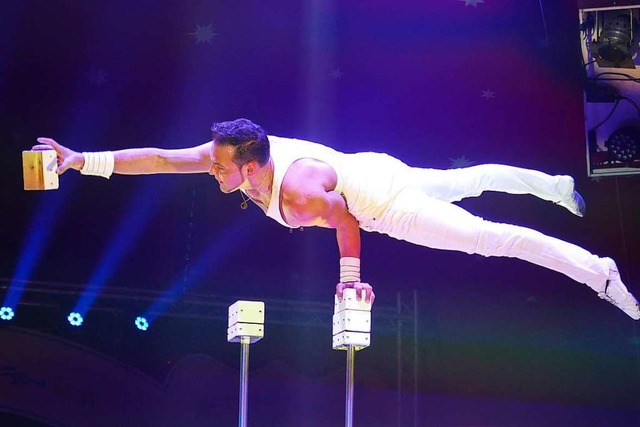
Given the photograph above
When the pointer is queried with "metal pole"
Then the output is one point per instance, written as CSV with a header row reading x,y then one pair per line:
x,y
415,358
348,413
399,359
244,380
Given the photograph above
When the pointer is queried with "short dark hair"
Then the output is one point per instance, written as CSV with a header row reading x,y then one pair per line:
x,y
249,139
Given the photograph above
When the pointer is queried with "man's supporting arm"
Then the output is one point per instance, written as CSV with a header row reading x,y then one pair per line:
x,y
309,199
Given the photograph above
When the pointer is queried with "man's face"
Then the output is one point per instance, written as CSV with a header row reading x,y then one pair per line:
x,y
226,172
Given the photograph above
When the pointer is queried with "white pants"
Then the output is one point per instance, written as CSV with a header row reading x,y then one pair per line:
x,y
421,213
453,185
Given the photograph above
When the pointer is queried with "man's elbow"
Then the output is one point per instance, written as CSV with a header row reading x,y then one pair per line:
x,y
345,221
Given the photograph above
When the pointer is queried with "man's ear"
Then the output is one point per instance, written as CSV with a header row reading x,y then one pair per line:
x,y
251,167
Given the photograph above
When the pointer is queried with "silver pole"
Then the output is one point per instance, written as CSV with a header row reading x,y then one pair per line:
x,y
415,358
244,380
348,414
399,359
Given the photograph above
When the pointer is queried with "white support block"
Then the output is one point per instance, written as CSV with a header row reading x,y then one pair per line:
x,y
350,302
39,170
253,331
352,320
358,340
246,312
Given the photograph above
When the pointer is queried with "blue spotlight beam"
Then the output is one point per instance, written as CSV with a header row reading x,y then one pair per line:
x,y
48,211
211,259
144,201
86,118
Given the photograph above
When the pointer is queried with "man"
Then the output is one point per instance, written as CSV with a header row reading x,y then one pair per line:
x,y
300,183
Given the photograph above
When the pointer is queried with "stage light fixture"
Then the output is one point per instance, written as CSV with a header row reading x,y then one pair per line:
x,y
75,319
142,323
6,313
616,41
623,145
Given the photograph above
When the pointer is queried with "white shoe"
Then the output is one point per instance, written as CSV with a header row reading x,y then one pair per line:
x,y
571,199
617,294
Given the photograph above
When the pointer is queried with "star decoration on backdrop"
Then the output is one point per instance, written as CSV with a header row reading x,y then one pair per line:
x,y
488,94
460,162
336,73
97,77
203,34
473,3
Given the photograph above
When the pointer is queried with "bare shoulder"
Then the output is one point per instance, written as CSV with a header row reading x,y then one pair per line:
x,y
308,173
304,192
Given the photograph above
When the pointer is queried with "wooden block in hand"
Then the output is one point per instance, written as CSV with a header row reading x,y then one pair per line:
x,y
39,170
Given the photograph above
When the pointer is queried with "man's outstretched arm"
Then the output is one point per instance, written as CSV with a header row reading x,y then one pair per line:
x,y
137,161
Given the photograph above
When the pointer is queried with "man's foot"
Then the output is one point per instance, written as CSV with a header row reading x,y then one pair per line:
x,y
571,199
617,294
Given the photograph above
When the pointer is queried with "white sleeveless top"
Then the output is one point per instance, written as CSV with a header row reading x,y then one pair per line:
x,y
285,151
367,181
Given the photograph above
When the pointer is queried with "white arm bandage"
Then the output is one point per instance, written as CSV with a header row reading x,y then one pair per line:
x,y
349,269
99,164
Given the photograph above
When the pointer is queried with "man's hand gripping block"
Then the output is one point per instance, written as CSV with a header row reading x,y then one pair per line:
x,y
351,322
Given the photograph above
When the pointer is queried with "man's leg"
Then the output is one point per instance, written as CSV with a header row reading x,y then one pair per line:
x,y
453,185
422,220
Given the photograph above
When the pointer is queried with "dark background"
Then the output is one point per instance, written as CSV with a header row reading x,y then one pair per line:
x,y
442,83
